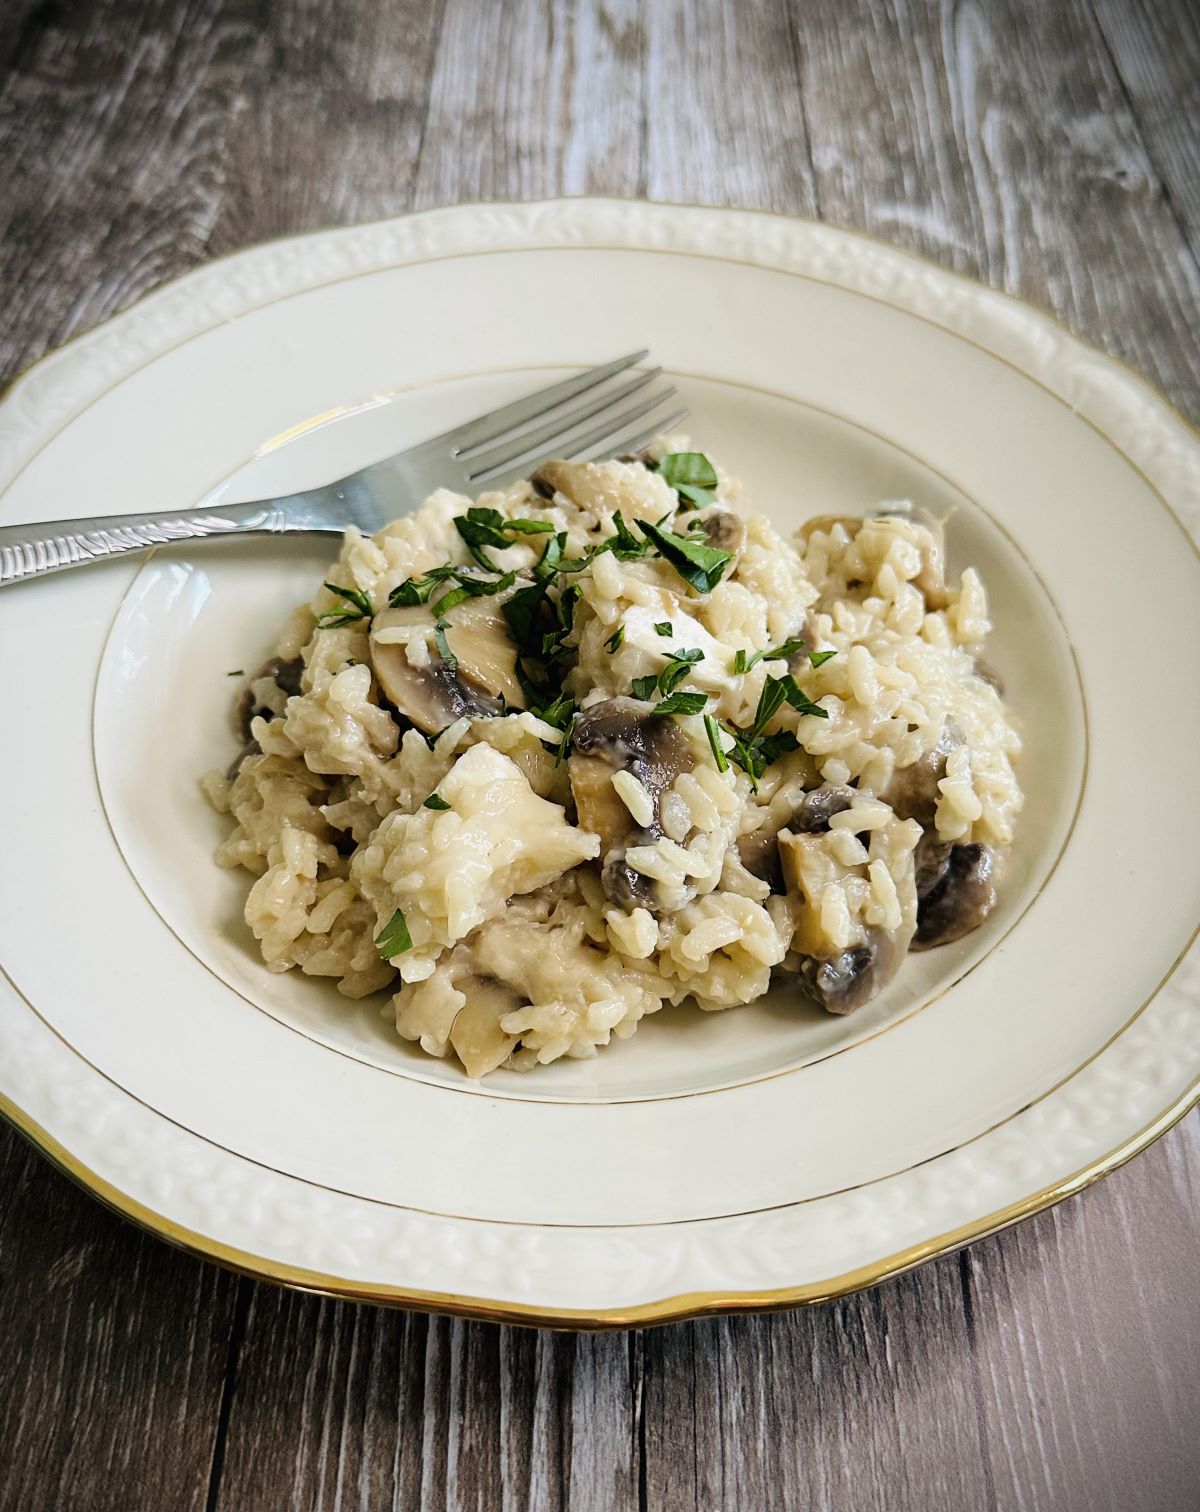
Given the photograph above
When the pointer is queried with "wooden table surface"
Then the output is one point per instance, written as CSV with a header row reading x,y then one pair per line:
x,y
1051,149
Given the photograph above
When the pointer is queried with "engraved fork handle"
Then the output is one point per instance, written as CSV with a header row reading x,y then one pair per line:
x,y
29,551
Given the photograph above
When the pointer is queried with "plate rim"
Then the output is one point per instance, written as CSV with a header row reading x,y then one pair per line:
x,y
693,1303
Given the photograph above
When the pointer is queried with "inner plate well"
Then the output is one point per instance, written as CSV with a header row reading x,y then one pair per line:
x,y
198,612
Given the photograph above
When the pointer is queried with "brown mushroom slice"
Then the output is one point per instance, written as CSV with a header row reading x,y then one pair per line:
x,y
959,899
284,673
476,1035
434,696
622,735
848,978
913,791
844,982
809,814
724,530
583,483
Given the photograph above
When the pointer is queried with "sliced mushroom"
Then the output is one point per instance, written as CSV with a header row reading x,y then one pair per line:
x,y
851,978
476,1035
913,791
584,484
846,979
960,899
809,814
988,674
724,530
284,673
436,694
621,735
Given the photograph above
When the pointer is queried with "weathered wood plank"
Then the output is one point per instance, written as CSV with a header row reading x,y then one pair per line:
x,y
725,113
113,118
1086,1333
114,1353
998,139
1155,45
339,1407
330,119
865,1403
532,100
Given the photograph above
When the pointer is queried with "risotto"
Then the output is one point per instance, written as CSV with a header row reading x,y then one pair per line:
x,y
539,764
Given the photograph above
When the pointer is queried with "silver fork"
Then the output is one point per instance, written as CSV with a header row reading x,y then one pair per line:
x,y
585,416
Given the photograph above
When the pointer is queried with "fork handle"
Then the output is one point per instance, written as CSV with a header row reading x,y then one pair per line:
x,y
29,551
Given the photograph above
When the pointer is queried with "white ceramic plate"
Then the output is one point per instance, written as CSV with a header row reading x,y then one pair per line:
x,y
765,1156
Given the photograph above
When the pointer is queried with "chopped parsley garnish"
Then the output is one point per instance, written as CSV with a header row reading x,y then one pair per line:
x,y
663,627
819,658
393,939
690,474
523,611
699,565
713,730
415,591
559,715
783,652
488,527
681,703
665,682
615,640
435,801
624,544
752,750
358,606
237,672
472,587
680,664
443,645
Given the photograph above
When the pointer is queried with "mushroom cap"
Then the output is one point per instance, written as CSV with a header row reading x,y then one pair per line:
x,y
428,690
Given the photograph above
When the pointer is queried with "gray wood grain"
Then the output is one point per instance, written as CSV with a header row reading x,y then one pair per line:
x,y
115,1352
1155,45
1050,150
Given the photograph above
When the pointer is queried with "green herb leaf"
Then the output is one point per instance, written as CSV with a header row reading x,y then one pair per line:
x,y
677,669
615,640
690,474
524,613
435,801
559,713
663,627
644,687
415,591
699,565
739,662
528,527
770,701
359,607
479,533
782,652
237,672
567,600
681,703
551,559
799,699
713,730
472,587
772,747
819,658
393,939
624,544
443,645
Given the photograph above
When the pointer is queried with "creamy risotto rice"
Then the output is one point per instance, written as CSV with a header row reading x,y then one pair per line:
x,y
602,741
